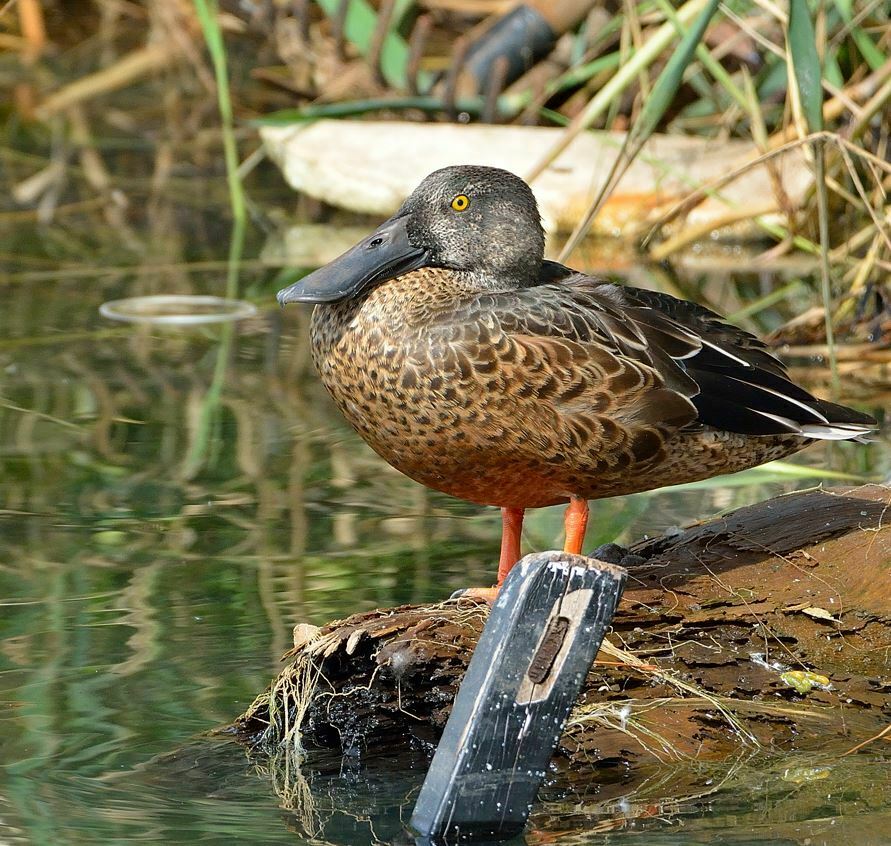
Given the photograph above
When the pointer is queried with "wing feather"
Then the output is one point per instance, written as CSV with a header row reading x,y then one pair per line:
x,y
578,346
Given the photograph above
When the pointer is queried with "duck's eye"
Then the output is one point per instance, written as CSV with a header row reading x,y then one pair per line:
x,y
461,202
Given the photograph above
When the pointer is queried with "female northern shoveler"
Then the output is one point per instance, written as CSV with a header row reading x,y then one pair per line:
x,y
479,369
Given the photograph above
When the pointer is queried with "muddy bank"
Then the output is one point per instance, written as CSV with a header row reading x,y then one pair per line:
x,y
766,629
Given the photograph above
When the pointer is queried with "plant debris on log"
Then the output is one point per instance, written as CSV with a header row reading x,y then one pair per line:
x,y
767,627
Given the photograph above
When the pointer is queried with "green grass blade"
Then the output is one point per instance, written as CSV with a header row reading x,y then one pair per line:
x,y
872,55
208,11
580,74
668,82
771,473
806,68
508,105
625,76
790,470
354,108
806,63
825,273
660,98
768,300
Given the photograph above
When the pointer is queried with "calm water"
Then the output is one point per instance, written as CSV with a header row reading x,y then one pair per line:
x,y
173,502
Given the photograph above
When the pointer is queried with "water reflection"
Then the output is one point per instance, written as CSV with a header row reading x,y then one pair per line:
x,y
158,543
207,790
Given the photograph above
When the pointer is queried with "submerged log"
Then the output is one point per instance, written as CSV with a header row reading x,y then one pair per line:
x,y
769,627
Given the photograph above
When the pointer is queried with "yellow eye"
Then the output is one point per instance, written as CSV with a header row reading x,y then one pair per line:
x,y
461,202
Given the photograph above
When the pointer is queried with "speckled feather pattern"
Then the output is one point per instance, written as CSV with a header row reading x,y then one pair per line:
x,y
525,397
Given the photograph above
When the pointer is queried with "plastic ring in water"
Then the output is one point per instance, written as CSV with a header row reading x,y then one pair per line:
x,y
177,310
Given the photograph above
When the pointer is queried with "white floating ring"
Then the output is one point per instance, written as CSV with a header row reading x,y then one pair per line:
x,y
177,310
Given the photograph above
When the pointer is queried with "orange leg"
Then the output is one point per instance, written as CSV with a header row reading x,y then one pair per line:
x,y
576,523
511,526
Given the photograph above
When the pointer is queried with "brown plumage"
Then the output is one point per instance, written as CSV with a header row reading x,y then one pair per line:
x,y
478,369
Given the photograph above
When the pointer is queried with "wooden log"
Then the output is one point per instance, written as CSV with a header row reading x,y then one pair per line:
x,y
372,166
766,627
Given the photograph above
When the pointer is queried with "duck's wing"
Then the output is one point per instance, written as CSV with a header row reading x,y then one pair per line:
x,y
742,387
579,348
552,371
559,366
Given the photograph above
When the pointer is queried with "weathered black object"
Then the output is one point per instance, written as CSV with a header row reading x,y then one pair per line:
x,y
532,658
520,39
515,42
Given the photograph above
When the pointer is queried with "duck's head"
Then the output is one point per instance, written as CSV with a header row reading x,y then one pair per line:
x,y
482,220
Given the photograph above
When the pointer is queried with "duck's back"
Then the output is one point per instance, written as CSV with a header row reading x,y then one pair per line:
x,y
572,387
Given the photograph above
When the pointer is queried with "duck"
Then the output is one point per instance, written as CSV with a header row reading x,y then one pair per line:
x,y
478,368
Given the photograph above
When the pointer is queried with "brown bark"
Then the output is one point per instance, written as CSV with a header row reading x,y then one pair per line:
x,y
770,626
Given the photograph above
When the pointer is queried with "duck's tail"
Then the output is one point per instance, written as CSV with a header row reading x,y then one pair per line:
x,y
757,402
728,375
842,424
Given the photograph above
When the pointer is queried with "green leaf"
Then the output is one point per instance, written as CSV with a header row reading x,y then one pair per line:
x,y
806,63
832,71
768,300
649,52
708,62
663,93
353,108
359,27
